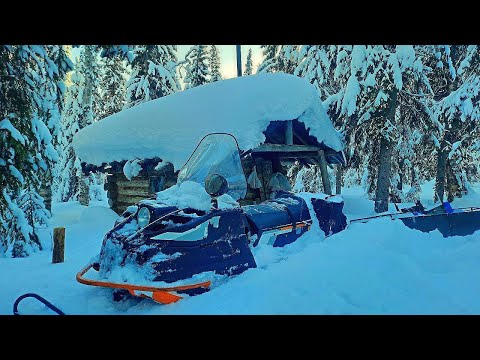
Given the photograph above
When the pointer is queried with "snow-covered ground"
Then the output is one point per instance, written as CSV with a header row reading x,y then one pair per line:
x,y
380,267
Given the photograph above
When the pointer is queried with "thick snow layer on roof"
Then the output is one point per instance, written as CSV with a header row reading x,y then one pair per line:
x,y
170,127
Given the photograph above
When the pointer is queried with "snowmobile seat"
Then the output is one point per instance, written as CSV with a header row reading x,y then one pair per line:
x,y
284,209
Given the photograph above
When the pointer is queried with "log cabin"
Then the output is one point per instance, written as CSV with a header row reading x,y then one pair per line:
x,y
268,145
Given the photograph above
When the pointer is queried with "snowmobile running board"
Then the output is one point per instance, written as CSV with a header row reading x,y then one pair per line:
x,y
161,295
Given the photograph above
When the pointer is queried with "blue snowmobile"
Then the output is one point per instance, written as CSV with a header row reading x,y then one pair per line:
x,y
171,248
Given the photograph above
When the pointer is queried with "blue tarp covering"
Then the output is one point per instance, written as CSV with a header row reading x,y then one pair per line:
x,y
455,223
330,215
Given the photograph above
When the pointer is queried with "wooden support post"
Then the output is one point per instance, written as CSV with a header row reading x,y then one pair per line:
x,y
289,133
327,187
156,184
239,60
58,245
264,172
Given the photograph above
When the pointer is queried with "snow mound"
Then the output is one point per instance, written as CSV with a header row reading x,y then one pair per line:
x,y
132,169
91,214
190,194
170,127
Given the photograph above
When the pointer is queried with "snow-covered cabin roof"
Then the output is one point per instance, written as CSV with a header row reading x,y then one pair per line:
x,y
171,127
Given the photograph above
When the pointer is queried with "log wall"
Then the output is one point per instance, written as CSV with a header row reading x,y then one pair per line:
x,y
122,192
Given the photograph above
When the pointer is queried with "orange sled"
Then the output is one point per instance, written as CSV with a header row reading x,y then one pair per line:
x,y
162,295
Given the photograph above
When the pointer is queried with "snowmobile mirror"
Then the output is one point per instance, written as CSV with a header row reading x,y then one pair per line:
x,y
216,185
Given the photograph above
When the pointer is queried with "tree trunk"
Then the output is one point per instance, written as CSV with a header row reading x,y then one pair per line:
x,y
454,188
400,175
338,180
385,163
440,178
383,179
327,187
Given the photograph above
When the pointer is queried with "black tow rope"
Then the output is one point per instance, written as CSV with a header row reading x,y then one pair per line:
x,y
396,206
39,298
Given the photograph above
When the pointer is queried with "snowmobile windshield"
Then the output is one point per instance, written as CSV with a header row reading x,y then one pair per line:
x,y
216,154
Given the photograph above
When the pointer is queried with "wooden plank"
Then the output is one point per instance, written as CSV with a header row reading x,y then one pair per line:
x,y
120,207
270,148
132,192
134,182
124,185
130,199
288,155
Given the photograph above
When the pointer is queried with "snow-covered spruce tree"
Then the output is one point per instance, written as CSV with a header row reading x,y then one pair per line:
x,y
454,113
28,96
31,203
113,88
460,114
92,74
82,104
91,71
124,52
153,73
214,63
305,178
15,128
249,64
269,63
280,58
52,91
317,64
197,72
369,80
68,168
289,57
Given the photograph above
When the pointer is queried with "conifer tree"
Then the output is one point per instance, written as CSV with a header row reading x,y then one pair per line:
x,y
153,75
214,63
83,104
30,98
249,63
113,88
197,72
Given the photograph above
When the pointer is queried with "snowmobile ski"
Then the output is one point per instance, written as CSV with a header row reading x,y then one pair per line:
x,y
162,295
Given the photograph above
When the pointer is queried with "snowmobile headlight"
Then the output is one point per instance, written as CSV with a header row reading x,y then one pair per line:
x,y
216,185
143,217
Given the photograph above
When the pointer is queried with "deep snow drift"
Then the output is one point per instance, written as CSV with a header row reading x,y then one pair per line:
x,y
241,106
381,267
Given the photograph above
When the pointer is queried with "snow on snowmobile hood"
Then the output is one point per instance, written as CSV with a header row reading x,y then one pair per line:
x,y
190,194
